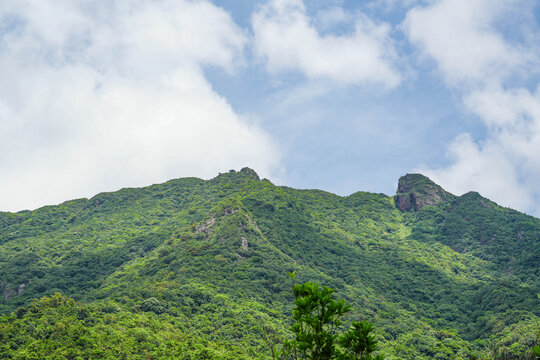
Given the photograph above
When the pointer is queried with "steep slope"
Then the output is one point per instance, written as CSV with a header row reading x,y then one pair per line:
x,y
209,258
505,240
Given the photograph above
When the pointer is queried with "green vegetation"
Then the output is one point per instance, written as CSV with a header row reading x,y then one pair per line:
x,y
316,322
59,328
197,269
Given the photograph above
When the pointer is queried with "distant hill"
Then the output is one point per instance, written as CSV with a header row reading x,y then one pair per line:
x,y
195,269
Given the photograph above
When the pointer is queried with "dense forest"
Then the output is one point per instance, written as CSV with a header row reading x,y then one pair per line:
x,y
195,269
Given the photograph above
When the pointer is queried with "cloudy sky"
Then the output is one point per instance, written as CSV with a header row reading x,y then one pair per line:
x,y
337,95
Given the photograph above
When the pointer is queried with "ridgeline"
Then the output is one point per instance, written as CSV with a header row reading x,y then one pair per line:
x,y
195,269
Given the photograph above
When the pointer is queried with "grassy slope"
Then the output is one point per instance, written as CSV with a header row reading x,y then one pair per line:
x,y
214,255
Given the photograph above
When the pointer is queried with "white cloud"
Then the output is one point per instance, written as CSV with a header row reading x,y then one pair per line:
x,y
506,166
505,109
98,96
486,168
478,60
287,39
462,37
327,19
513,117
389,5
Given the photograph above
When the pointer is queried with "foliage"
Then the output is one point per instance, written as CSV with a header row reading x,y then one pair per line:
x,y
154,305
317,318
359,343
59,328
200,265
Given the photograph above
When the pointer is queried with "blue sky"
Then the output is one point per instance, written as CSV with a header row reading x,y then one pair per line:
x,y
337,95
351,137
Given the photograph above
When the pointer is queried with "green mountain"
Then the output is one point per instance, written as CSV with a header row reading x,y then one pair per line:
x,y
195,269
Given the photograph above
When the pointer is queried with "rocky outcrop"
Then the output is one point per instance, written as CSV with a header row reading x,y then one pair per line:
x,y
250,173
205,226
416,191
12,290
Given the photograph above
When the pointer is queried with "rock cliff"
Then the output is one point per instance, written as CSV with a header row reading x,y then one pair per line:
x,y
416,191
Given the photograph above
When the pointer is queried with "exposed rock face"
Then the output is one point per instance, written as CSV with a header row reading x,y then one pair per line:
x,y
205,226
11,290
250,173
416,191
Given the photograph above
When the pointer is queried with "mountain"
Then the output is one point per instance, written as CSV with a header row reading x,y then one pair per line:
x,y
195,269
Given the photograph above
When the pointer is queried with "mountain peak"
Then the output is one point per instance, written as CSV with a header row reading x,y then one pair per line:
x,y
416,191
241,175
250,173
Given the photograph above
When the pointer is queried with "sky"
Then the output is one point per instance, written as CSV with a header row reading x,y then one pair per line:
x,y
337,95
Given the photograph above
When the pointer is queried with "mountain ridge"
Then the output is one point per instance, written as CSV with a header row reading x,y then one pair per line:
x,y
410,185
211,256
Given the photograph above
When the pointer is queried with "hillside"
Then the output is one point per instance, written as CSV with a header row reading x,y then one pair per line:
x,y
195,269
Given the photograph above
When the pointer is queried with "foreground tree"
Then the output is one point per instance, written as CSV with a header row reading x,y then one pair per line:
x,y
316,324
359,343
